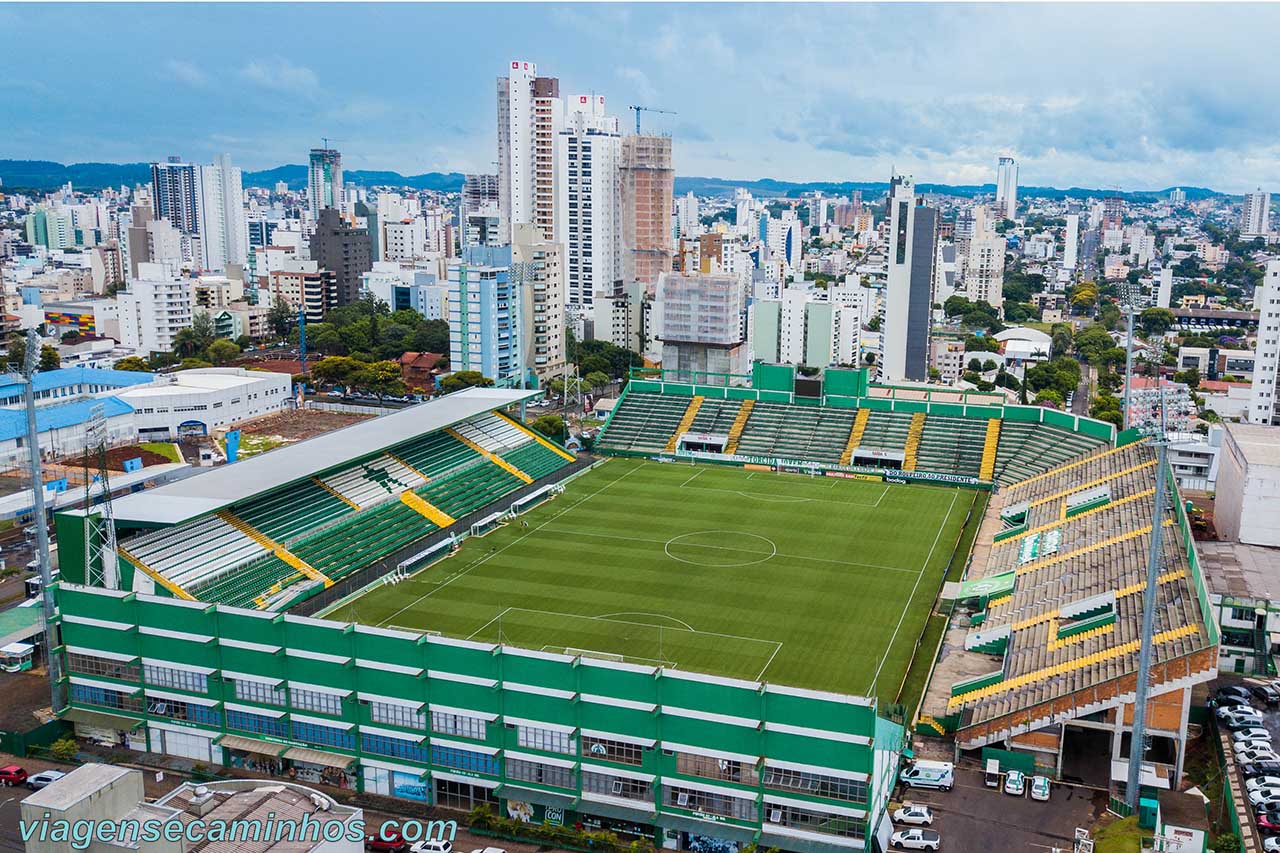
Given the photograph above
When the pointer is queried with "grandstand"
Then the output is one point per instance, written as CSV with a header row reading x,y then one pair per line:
x,y
1059,610
922,432
297,525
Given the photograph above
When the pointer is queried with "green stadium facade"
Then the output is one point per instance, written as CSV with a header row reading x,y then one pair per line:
x,y
194,643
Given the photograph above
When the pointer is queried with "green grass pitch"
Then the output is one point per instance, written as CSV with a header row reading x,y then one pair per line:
x,y
813,582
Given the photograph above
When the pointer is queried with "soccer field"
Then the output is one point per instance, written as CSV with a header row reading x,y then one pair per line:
x,y
813,582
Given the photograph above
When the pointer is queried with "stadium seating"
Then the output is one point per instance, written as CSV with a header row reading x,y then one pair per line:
x,y
715,416
372,481
243,587
189,553
644,422
288,514
951,446
470,488
433,454
534,459
886,431
796,432
1027,449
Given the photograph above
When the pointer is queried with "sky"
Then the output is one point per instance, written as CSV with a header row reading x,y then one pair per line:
x,y
1135,97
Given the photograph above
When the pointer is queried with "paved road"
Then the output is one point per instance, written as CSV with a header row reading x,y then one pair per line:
x,y
1080,403
976,819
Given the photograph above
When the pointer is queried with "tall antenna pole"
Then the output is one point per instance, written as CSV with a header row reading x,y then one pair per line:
x,y
1154,561
42,522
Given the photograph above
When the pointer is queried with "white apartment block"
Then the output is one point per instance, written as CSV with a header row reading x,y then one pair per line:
x,y
406,240
1007,188
154,308
530,118
588,220
224,229
1256,214
1071,241
1264,398
984,269
538,266
688,223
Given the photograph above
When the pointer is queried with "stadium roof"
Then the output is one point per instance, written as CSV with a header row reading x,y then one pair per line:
x,y
219,487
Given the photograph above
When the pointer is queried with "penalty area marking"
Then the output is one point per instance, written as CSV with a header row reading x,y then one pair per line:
x,y
675,540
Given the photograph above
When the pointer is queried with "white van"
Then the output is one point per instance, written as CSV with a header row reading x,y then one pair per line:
x,y
928,774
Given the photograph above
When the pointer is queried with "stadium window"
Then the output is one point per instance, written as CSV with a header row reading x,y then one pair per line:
x,y
816,784
533,737
91,665
811,820
397,715
103,698
464,759
613,750
314,700
323,735
257,691
723,769
257,724
458,724
393,747
738,808
616,786
180,679
188,711
542,774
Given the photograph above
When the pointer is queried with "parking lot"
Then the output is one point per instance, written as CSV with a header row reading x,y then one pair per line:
x,y
1270,722
973,817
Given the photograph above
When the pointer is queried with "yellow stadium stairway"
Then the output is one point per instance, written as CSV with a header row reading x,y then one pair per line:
x,y
932,723
913,442
274,547
1067,555
496,460
685,422
424,477
433,513
524,429
1089,485
155,576
1104,508
988,469
739,423
1076,464
337,494
855,436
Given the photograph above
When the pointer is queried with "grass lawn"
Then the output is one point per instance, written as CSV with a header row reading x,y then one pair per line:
x,y
820,582
1119,836
163,448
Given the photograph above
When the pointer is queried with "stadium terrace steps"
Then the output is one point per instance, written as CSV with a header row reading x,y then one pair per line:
x,y
739,422
886,431
154,575
989,445
716,417
855,436
431,513
951,446
373,481
492,433
690,414
274,547
644,422
491,456
188,554
535,460
290,513
556,449
1029,449
910,449
796,432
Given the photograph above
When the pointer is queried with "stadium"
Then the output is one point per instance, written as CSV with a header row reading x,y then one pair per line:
x,y
717,630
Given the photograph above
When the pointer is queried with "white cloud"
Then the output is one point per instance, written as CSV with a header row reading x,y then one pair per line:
x,y
187,72
281,75
639,83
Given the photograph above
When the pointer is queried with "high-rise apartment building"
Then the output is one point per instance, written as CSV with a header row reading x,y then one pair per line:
x,y
324,180
485,314
702,325
1177,196
1007,187
806,326
156,306
984,262
1264,397
304,287
1255,217
647,176
908,298
220,211
1112,214
175,194
537,268
1071,242
344,250
588,152
478,219
687,215
530,117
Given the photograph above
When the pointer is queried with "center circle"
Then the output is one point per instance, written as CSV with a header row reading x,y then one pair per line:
x,y
720,548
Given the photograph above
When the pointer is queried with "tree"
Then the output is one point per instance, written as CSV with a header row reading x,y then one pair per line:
x,y
555,387
551,426
49,358
1092,340
1189,377
1063,339
464,379
1049,395
133,364
435,336
597,380
1084,296
1156,321
192,364
988,365
335,370
222,351
975,365
282,317
1109,316
1106,407
380,379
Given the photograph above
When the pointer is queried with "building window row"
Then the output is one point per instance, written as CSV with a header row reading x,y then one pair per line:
x,y
185,711
324,735
179,679
103,698
397,715
809,820
539,773
459,725
547,740
616,786
258,691
737,808
723,769
464,759
258,724
393,747
816,784
105,667
314,700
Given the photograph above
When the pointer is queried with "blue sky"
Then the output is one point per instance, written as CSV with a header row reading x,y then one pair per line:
x,y
1132,96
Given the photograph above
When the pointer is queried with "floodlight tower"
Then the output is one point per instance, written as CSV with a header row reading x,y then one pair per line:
x,y
1152,410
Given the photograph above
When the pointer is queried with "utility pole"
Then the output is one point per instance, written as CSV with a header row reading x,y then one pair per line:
x,y
1128,363
1137,743
42,522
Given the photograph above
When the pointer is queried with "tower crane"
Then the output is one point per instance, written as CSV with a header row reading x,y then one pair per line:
x,y
639,109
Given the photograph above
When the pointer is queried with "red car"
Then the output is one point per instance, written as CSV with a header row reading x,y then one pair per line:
x,y
391,843
12,775
1269,822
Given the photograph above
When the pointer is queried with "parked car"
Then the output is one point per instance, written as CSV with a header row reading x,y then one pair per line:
x,y
1040,788
1233,690
1260,768
12,775
1261,782
1230,701
432,845
913,814
1271,844
1239,718
1269,794
1269,822
1251,743
392,842
1267,693
1257,753
1015,783
916,839
44,779
1251,733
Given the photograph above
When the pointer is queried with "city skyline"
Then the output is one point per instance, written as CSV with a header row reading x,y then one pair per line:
x,y
812,102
